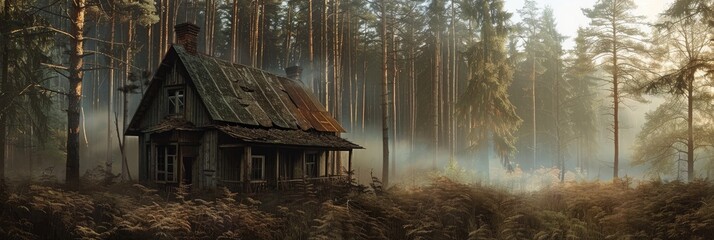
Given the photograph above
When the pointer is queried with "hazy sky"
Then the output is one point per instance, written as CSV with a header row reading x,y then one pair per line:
x,y
569,17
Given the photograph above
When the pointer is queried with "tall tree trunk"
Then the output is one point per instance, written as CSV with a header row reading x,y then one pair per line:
x,y
395,76
452,103
234,32
166,31
350,65
125,116
95,75
385,130
690,132
74,97
337,34
207,26
310,39
255,34
615,102
558,154
260,38
4,91
110,92
288,34
150,49
533,111
364,85
325,55
435,84
412,91
336,62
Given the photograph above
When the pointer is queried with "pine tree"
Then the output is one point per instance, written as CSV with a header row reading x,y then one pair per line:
x,y
436,25
385,79
618,40
583,101
24,45
689,41
74,97
529,71
485,105
558,89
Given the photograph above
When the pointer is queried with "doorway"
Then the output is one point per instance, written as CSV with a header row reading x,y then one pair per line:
x,y
187,164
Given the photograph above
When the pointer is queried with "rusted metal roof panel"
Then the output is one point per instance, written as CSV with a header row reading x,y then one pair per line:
x,y
240,94
313,111
302,122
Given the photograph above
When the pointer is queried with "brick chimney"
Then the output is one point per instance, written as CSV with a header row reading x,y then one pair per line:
x,y
187,36
294,72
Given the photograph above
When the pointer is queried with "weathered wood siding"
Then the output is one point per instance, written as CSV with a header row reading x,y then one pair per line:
x,y
144,151
194,110
207,160
229,170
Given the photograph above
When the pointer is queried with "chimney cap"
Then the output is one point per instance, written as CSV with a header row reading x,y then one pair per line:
x,y
293,72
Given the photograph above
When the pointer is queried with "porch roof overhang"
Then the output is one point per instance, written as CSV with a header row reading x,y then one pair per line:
x,y
167,124
288,137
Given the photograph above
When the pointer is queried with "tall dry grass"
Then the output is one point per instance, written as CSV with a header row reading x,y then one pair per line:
x,y
442,209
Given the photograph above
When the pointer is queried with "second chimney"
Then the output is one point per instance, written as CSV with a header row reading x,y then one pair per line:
x,y
187,36
294,72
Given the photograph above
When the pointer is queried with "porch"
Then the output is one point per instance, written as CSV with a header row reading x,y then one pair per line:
x,y
256,168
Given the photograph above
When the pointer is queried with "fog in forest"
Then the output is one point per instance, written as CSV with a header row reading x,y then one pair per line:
x,y
356,119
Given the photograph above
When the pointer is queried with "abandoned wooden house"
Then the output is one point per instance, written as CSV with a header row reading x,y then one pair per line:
x,y
208,122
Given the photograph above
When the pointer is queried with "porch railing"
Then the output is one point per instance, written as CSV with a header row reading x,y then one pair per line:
x,y
283,184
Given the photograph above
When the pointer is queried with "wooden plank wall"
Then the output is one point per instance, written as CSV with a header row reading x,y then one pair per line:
x,y
207,158
157,108
143,160
195,111
229,164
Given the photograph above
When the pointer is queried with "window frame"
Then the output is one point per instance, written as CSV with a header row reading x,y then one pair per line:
x,y
173,109
174,167
316,167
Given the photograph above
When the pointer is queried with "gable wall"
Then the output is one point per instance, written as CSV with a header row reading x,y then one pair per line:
x,y
195,112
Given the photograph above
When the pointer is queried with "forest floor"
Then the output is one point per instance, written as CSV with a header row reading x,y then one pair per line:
x,y
441,209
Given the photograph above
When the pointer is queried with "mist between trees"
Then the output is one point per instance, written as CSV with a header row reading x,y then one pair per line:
x,y
424,85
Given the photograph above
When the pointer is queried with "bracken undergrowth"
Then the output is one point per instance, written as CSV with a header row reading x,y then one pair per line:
x,y
443,209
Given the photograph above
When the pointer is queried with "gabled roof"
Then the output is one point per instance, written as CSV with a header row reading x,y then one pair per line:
x,y
238,94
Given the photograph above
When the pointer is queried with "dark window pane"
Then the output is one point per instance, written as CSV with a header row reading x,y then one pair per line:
x,y
311,165
179,101
257,168
176,101
171,150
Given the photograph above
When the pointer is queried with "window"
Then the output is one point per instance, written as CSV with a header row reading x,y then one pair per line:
x,y
257,168
166,163
311,165
176,101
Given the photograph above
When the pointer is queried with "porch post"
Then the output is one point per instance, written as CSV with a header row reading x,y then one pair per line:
x,y
349,166
338,163
247,163
304,167
277,169
327,163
